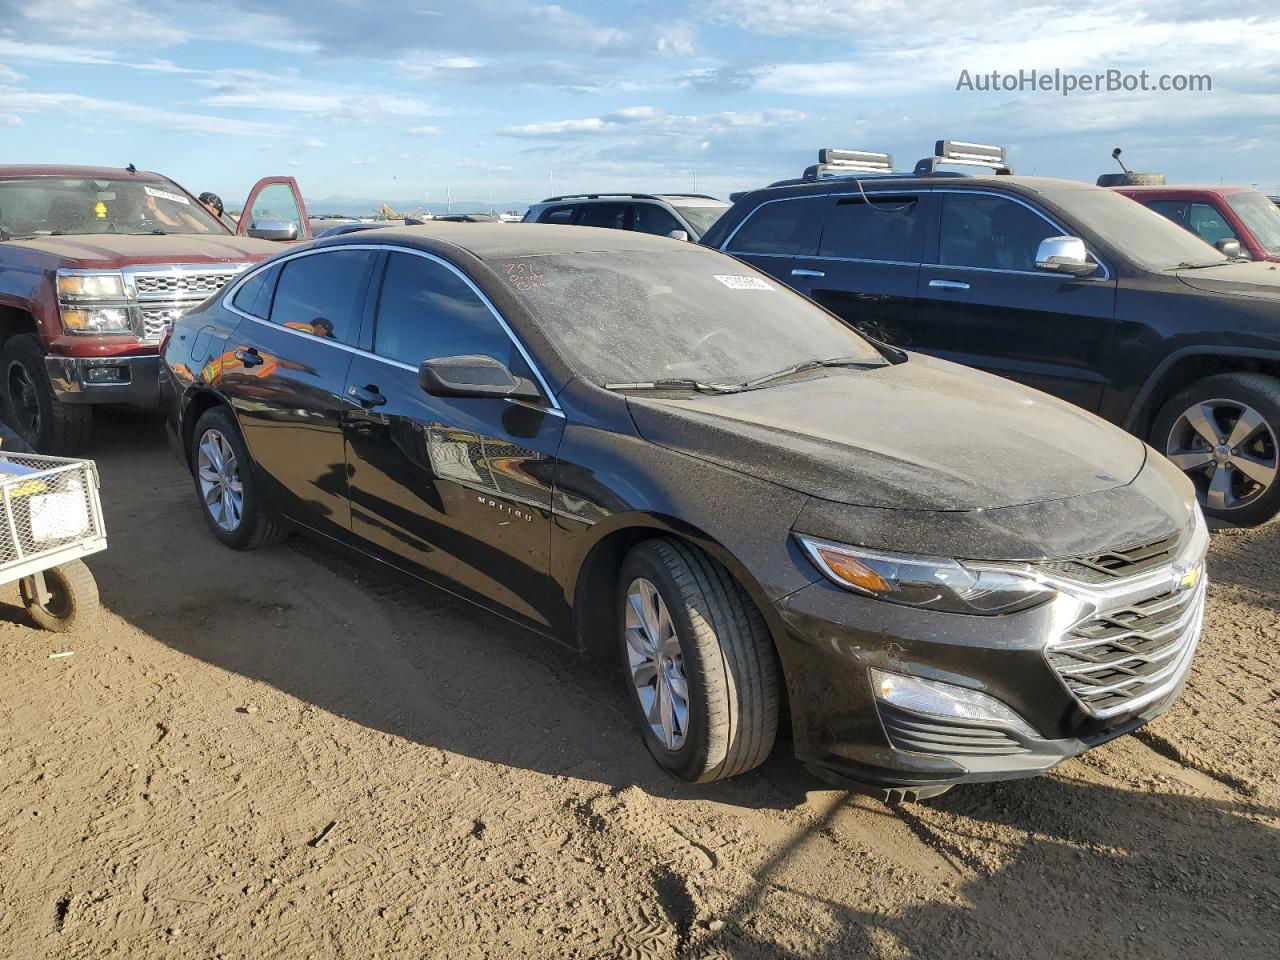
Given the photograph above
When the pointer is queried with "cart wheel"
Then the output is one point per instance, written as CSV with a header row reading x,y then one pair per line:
x,y
73,597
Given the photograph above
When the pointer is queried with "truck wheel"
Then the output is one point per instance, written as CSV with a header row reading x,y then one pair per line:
x,y
698,663
44,421
223,475
1222,432
72,601
1131,180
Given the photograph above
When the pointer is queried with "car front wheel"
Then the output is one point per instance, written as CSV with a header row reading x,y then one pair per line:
x,y
224,483
1222,433
698,662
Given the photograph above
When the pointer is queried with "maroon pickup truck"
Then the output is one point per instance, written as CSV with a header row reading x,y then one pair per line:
x,y
94,264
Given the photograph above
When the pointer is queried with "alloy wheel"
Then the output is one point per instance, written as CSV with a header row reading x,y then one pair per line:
x,y
656,664
23,402
1227,449
218,474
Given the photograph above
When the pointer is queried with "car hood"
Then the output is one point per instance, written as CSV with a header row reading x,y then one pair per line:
x,y
114,250
1236,279
923,435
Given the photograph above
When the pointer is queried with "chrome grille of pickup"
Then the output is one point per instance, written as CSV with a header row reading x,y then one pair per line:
x,y
178,285
1111,660
155,318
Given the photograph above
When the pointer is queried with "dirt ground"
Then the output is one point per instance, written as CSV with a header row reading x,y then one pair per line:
x,y
282,754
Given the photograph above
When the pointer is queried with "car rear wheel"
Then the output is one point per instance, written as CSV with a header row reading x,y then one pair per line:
x,y
698,662
223,475
41,419
1222,432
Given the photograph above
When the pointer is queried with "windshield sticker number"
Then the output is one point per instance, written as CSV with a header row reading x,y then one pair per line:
x,y
522,276
165,195
742,283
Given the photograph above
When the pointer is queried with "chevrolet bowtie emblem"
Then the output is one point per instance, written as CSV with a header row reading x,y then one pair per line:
x,y
1188,579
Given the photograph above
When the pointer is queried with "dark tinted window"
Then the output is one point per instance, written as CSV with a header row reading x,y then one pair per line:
x,y
426,310
651,218
557,215
1208,223
1175,210
888,229
323,294
254,298
781,226
613,215
990,231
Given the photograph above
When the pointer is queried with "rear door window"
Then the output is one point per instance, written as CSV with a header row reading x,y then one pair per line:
x,y
254,298
425,310
888,228
992,232
557,215
611,215
788,227
323,294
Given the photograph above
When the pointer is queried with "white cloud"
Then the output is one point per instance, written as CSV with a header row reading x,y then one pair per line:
x,y
10,120
8,75
422,131
311,143
654,120
20,101
292,93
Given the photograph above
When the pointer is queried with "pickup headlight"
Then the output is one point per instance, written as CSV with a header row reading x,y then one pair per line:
x,y
91,285
96,320
933,583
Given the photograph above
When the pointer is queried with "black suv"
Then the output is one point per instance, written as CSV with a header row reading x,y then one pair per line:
x,y
647,448
1054,283
664,215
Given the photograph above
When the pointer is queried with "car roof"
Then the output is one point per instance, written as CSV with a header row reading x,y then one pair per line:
x,y
495,241
1043,185
69,170
1185,188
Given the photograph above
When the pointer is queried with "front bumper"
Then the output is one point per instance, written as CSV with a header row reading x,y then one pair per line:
x,y
133,380
833,639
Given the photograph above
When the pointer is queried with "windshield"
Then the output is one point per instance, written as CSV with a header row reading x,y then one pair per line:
x,y
631,317
1261,216
1139,233
701,218
56,206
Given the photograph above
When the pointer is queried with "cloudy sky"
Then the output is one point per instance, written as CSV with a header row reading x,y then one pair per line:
x,y
404,99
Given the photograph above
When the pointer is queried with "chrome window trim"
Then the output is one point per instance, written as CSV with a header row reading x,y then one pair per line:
x,y
231,290
918,191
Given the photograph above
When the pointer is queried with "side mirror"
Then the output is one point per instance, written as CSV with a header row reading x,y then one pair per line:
x,y
1064,255
1229,247
678,234
269,229
473,376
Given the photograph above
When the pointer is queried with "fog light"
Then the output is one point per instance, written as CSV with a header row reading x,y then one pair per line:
x,y
104,375
944,700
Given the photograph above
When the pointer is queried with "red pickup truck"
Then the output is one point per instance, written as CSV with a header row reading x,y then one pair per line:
x,y
95,262
1218,215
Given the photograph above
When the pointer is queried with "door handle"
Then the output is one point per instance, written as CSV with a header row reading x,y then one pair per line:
x,y
367,396
949,284
249,357
807,273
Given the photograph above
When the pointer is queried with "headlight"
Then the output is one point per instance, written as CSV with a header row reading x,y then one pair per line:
x,y
932,583
944,700
96,320
91,285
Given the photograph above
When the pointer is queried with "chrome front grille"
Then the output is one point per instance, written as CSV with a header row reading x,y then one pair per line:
x,y
1126,656
164,294
1114,564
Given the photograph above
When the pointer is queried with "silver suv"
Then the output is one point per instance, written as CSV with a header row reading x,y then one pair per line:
x,y
666,214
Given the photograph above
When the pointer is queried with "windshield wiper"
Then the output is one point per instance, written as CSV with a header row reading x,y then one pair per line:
x,y
857,362
676,383
1201,266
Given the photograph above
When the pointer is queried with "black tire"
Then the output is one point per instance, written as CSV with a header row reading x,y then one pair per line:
x,y
257,526
728,662
1255,390
44,421
1131,180
73,600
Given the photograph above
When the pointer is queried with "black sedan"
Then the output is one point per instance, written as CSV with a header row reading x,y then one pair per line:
x,y
652,450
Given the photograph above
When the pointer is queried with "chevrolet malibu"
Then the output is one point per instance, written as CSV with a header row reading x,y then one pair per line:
x,y
655,453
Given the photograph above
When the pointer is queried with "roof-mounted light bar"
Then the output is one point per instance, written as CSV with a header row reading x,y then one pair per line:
x,y
964,154
844,163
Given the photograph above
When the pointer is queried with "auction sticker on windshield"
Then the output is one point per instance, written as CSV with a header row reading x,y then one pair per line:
x,y
742,283
165,195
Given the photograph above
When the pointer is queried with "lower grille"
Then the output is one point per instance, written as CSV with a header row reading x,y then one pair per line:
x,y
935,735
1126,656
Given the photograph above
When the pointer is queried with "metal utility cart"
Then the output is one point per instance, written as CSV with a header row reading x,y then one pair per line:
x,y
50,519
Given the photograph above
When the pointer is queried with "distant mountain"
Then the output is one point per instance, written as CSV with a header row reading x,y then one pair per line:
x,y
363,206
